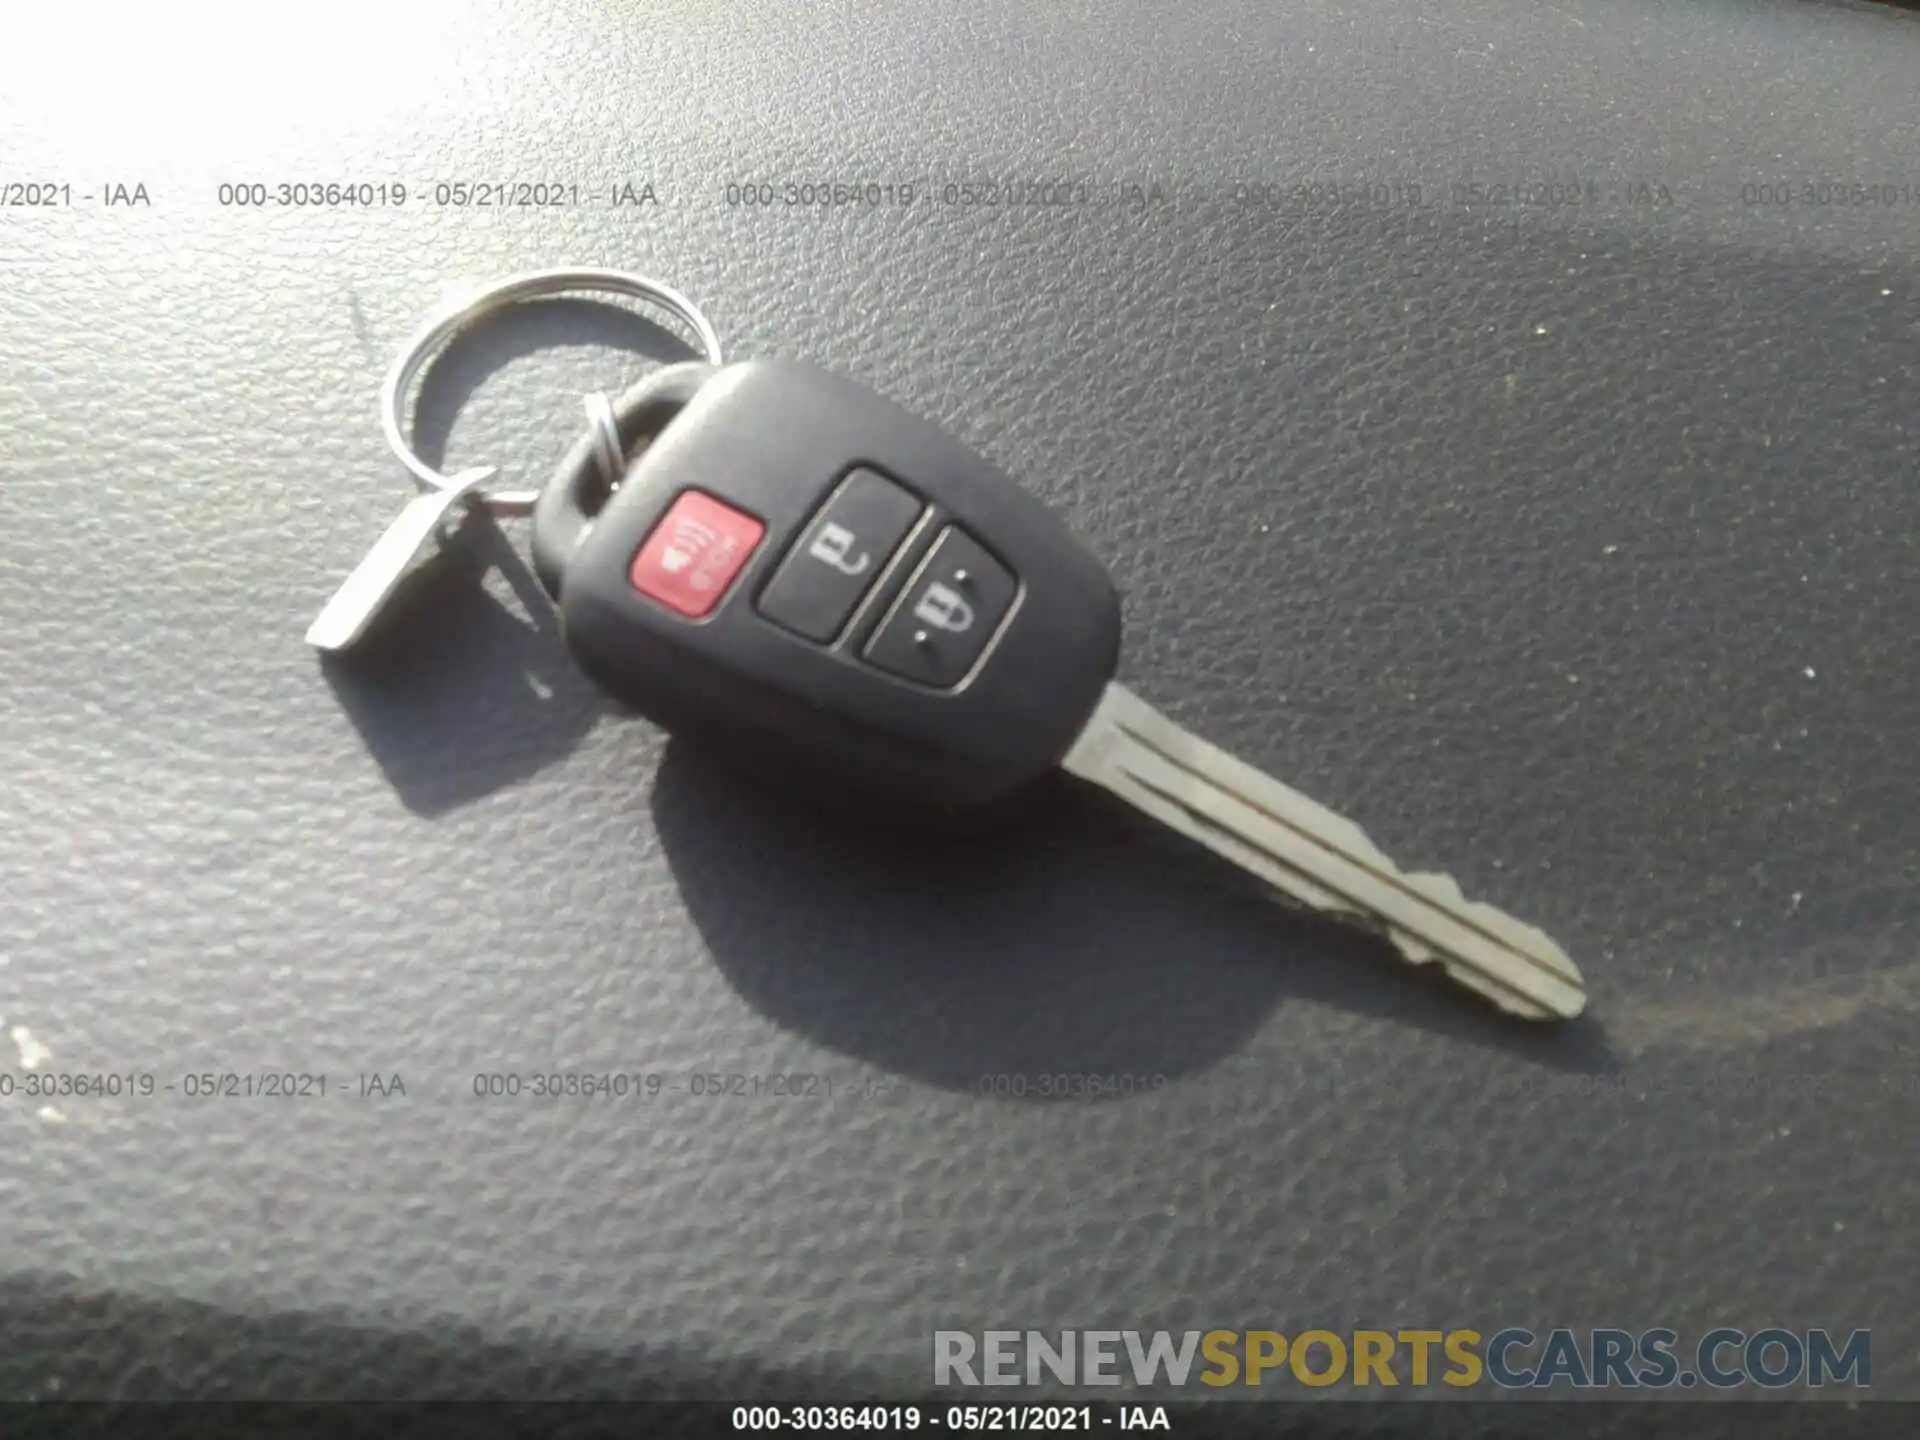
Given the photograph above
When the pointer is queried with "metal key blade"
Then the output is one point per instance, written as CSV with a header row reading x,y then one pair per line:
x,y
1317,857
363,594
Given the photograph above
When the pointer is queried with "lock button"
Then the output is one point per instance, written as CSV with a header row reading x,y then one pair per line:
x,y
839,555
940,626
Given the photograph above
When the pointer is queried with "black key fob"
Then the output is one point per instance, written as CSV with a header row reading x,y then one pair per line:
x,y
803,571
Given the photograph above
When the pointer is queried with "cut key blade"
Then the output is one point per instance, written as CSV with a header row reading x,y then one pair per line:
x,y
1318,858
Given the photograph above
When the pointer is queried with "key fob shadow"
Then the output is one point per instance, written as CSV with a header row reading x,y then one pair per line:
x,y
806,796
462,686
972,955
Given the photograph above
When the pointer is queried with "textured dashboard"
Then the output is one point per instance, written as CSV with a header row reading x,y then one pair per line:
x,y
1501,421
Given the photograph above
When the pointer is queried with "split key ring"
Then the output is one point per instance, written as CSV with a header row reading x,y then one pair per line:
x,y
463,310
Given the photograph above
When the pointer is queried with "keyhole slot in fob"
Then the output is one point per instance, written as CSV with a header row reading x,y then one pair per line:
x,y
568,507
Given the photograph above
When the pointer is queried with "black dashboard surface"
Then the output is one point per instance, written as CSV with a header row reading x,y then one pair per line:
x,y
1501,422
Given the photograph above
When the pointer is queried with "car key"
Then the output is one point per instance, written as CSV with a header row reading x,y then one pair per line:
x,y
812,577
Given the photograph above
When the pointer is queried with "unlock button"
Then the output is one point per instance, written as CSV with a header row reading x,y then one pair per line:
x,y
839,555
944,618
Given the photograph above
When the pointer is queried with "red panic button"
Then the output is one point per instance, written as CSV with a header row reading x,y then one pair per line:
x,y
694,553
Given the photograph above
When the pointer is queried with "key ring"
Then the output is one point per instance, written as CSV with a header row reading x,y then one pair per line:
x,y
464,309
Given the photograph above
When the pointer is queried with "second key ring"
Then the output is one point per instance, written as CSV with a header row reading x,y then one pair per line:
x,y
462,311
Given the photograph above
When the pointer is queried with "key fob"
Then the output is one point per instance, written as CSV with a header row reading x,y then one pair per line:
x,y
801,570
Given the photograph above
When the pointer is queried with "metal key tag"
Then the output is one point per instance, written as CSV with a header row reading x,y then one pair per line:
x,y
366,591
359,601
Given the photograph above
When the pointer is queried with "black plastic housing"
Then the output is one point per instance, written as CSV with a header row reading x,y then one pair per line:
x,y
773,438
